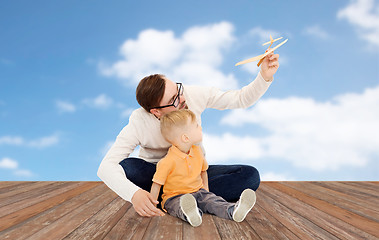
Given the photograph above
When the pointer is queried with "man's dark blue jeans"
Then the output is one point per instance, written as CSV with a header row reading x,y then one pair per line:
x,y
227,181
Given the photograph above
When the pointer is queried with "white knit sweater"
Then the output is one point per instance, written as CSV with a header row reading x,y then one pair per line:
x,y
143,130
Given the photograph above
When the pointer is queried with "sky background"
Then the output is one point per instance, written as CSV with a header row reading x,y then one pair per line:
x,y
69,69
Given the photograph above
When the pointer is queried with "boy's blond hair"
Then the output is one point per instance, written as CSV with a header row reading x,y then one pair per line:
x,y
175,120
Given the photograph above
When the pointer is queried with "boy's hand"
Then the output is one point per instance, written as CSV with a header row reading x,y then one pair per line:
x,y
269,66
145,204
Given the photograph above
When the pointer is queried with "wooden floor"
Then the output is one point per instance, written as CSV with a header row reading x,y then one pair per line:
x,y
284,210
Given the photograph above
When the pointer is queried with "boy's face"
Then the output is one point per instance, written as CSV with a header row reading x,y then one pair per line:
x,y
194,132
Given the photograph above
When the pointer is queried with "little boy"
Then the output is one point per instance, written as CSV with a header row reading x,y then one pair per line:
x,y
183,173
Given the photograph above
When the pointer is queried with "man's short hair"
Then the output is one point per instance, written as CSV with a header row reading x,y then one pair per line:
x,y
150,91
175,120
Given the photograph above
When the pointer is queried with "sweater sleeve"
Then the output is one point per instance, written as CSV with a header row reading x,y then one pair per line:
x,y
110,171
242,98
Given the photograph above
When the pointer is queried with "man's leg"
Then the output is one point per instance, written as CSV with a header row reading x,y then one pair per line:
x,y
229,181
139,172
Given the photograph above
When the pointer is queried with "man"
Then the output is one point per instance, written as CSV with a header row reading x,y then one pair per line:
x,y
131,178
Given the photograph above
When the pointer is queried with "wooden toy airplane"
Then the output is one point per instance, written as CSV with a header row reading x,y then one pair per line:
x,y
262,56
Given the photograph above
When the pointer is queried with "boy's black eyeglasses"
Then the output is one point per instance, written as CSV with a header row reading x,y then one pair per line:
x,y
176,100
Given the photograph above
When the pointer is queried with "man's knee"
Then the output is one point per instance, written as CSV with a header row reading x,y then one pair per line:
x,y
139,172
252,177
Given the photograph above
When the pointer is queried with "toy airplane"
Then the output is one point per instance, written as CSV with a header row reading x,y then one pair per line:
x,y
262,56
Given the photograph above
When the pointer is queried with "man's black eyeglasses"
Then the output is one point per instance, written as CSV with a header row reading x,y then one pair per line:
x,y
176,100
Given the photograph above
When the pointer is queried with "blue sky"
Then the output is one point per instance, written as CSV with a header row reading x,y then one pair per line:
x,y
68,73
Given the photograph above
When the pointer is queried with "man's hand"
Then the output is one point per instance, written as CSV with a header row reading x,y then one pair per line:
x,y
145,204
269,66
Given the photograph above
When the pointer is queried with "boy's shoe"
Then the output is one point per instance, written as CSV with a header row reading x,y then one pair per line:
x,y
189,207
244,205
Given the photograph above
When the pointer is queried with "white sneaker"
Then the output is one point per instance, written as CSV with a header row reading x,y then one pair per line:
x,y
244,205
189,207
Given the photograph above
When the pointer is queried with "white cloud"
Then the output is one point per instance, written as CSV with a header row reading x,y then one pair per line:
x,y
364,15
11,140
231,147
304,132
102,101
42,142
193,58
106,148
12,164
23,173
8,163
263,34
317,31
271,176
64,106
126,112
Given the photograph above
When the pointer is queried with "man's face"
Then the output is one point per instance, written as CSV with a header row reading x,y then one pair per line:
x,y
171,92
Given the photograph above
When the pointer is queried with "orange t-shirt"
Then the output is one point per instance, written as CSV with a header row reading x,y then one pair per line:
x,y
180,173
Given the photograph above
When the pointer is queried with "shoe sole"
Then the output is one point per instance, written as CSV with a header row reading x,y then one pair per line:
x,y
189,207
246,203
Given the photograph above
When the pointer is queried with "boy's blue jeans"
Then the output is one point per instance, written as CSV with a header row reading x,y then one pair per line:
x,y
226,181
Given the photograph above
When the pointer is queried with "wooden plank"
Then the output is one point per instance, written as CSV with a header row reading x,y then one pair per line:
x,y
288,210
27,192
207,230
297,224
335,226
13,193
266,226
351,190
228,229
98,226
10,186
69,222
126,227
57,188
357,206
141,229
343,193
365,187
52,216
353,219
4,184
362,202
371,184
23,214
166,227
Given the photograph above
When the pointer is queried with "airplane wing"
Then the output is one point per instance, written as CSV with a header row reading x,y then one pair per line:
x,y
263,55
251,59
272,40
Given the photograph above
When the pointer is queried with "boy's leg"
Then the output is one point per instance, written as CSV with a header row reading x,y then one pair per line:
x,y
229,181
244,205
210,203
185,208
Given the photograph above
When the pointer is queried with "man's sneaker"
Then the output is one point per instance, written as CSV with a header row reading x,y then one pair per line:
x,y
189,207
244,205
